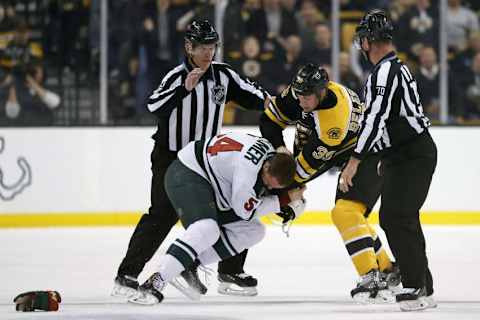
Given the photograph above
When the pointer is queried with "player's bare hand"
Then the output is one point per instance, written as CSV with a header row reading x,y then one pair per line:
x,y
192,78
297,193
347,175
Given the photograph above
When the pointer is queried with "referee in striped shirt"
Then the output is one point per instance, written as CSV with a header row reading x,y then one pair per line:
x,y
189,104
394,125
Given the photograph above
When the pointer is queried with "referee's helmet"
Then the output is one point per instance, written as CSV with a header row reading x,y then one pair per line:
x,y
201,32
310,79
375,26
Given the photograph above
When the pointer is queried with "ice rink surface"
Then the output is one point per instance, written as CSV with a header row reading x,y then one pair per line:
x,y
306,276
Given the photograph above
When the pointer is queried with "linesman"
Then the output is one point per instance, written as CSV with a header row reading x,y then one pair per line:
x,y
395,127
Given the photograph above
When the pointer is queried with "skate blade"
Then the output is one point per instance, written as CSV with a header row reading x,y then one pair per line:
x,y
414,305
230,289
383,297
144,299
184,288
123,292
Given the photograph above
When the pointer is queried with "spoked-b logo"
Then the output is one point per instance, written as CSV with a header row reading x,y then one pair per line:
x,y
15,175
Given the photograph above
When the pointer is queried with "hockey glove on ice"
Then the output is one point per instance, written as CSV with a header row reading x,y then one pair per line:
x,y
37,300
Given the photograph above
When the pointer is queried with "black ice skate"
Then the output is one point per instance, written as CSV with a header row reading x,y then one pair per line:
x,y
240,284
413,299
149,293
372,289
124,286
192,279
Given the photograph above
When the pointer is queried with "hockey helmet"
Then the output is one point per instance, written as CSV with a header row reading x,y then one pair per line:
x,y
201,32
310,79
375,26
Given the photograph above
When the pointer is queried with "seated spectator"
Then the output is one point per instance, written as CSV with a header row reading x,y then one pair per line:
x,y
7,25
359,64
396,8
269,22
428,80
25,100
289,59
321,52
309,17
461,22
471,87
255,64
347,77
418,27
462,62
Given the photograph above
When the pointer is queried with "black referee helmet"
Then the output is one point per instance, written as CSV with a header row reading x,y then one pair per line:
x,y
375,26
201,32
310,79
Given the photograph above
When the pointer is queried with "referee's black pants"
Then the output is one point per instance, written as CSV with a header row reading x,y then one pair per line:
x,y
407,177
153,228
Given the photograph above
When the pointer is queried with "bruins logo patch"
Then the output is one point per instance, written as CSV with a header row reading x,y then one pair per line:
x,y
334,133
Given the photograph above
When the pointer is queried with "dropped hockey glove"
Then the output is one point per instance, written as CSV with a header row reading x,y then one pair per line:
x,y
292,211
37,300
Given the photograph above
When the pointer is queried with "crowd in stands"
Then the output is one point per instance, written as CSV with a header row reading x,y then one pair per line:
x,y
265,40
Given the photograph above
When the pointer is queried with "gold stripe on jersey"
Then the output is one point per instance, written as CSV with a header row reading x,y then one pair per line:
x,y
274,118
304,170
276,115
333,123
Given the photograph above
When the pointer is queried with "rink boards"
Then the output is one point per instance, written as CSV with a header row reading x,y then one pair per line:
x,y
101,176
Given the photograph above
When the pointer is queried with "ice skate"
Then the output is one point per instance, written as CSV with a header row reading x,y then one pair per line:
x,y
124,286
149,293
240,284
372,289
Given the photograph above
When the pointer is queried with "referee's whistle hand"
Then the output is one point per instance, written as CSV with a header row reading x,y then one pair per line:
x,y
192,78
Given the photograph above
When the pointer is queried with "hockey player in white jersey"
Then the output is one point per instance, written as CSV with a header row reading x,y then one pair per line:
x,y
219,189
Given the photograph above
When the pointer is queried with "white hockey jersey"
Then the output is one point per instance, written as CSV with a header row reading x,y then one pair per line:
x,y
232,164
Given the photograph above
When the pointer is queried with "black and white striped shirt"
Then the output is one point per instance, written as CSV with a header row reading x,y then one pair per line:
x,y
187,116
393,112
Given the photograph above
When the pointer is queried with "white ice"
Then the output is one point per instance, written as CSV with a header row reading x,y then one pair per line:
x,y
306,276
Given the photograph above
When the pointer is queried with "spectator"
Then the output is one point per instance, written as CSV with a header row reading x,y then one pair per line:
x,y
257,66
397,8
291,60
471,86
322,49
463,61
347,77
428,80
7,26
461,22
418,27
235,19
270,21
309,17
25,100
67,33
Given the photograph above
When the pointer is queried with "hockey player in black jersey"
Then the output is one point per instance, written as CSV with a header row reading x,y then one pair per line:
x,y
326,115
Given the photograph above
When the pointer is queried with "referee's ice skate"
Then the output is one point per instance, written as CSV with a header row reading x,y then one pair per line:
x,y
124,287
